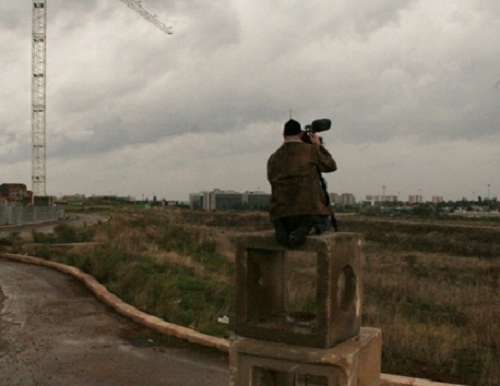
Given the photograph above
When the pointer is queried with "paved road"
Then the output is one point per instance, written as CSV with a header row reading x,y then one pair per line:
x,y
75,220
54,332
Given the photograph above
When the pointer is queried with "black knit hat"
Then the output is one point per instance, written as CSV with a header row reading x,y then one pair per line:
x,y
292,127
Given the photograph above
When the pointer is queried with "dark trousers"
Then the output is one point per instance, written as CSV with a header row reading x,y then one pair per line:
x,y
293,230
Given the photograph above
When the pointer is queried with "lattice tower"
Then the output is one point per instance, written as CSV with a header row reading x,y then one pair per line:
x,y
38,98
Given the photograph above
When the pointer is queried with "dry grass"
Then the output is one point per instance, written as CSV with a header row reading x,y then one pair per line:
x,y
439,314
431,286
433,289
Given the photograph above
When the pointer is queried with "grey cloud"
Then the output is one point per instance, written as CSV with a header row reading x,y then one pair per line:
x,y
16,17
15,148
201,26
341,20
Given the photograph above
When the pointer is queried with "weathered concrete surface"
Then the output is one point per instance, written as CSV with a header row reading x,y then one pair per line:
x,y
396,380
262,299
355,361
54,332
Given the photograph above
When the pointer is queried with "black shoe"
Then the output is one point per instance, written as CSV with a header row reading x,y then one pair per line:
x,y
281,233
298,236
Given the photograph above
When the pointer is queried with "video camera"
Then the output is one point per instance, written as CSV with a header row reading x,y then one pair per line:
x,y
316,126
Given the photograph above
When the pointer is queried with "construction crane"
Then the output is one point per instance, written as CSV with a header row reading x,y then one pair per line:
x,y
137,7
39,88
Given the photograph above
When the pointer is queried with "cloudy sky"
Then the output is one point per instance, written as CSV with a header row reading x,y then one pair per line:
x,y
412,88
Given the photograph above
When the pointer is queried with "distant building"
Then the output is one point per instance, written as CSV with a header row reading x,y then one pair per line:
x,y
342,199
16,193
437,199
256,200
222,200
334,198
228,199
347,199
415,199
381,198
196,200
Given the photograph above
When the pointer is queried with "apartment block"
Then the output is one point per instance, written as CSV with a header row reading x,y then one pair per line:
x,y
228,199
415,199
342,199
373,198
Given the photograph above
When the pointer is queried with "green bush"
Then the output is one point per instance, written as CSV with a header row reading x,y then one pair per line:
x,y
64,234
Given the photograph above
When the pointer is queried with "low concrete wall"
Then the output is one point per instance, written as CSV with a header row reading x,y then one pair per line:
x,y
18,215
164,327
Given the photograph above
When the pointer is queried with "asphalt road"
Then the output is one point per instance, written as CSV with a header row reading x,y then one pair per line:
x,y
75,220
54,332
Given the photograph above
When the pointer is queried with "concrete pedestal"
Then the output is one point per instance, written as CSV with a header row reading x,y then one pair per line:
x,y
354,362
262,307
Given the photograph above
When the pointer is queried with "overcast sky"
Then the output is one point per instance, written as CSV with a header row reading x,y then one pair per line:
x,y
412,88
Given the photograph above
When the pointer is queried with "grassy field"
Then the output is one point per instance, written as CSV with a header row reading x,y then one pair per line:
x,y
434,292
431,286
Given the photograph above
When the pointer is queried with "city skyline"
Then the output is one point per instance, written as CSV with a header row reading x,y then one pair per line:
x,y
384,197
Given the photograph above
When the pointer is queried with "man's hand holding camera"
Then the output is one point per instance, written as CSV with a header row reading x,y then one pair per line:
x,y
315,139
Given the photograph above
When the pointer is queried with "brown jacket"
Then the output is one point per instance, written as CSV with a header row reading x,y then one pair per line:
x,y
293,171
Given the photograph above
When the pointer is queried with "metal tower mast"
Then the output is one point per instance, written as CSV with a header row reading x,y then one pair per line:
x,y
38,92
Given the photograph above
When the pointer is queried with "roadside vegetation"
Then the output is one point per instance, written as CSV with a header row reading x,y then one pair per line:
x,y
431,286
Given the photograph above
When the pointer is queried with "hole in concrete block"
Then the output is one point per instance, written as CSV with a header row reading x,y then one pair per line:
x,y
266,293
346,288
306,296
283,292
302,288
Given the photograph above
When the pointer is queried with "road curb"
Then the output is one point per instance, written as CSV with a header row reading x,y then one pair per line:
x,y
123,308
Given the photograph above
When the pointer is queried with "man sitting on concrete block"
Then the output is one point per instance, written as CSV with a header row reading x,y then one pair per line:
x,y
299,201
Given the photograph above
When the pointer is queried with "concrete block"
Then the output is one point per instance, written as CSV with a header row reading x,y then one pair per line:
x,y
355,361
263,307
